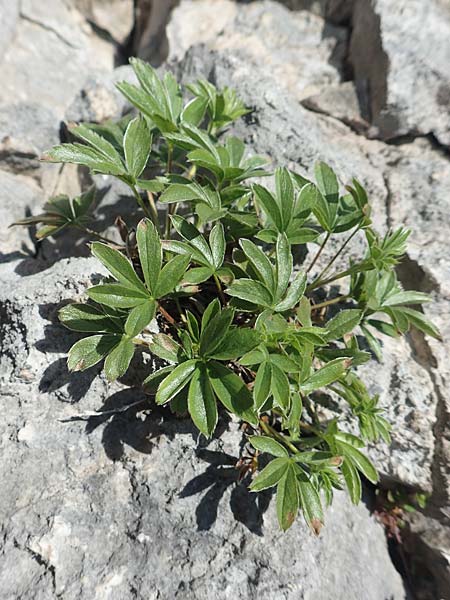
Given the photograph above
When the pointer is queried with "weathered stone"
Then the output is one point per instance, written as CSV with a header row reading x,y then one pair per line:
x,y
336,11
99,100
427,545
299,48
401,51
9,9
26,130
150,39
89,506
341,102
51,39
114,17
20,196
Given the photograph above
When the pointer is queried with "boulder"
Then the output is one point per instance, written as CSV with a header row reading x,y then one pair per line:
x,y
114,18
300,49
20,196
130,504
400,51
87,511
49,40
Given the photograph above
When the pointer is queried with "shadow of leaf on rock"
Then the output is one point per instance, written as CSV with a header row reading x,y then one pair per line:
x,y
247,508
58,340
130,418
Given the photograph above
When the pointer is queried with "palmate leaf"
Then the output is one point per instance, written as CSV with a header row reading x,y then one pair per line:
x,y
61,212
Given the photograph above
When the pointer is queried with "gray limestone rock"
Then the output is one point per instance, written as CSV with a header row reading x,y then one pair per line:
x,y
134,504
99,100
341,102
20,196
401,51
26,130
300,49
49,55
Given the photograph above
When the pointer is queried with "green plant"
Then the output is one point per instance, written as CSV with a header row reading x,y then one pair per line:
x,y
242,326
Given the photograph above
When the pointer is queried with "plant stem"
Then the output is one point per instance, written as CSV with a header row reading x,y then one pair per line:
x,y
139,342
167,316
316,258
318,283
219,289
310,410
96,234
153,210
172,208
338,253
169,157
140,201
328,302
279,436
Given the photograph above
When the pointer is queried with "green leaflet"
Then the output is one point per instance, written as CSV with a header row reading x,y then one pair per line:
x,y
343,323
268,444
149,247
137,142
270,475
118,361
201,402
232,391
89,351
87,318
287,498
324,376
118,266
140,317
175,381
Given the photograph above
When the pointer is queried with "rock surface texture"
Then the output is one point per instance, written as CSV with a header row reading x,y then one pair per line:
x,y
134,505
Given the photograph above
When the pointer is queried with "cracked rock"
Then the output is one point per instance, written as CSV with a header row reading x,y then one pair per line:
x,y
401,51
300,48
88,506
